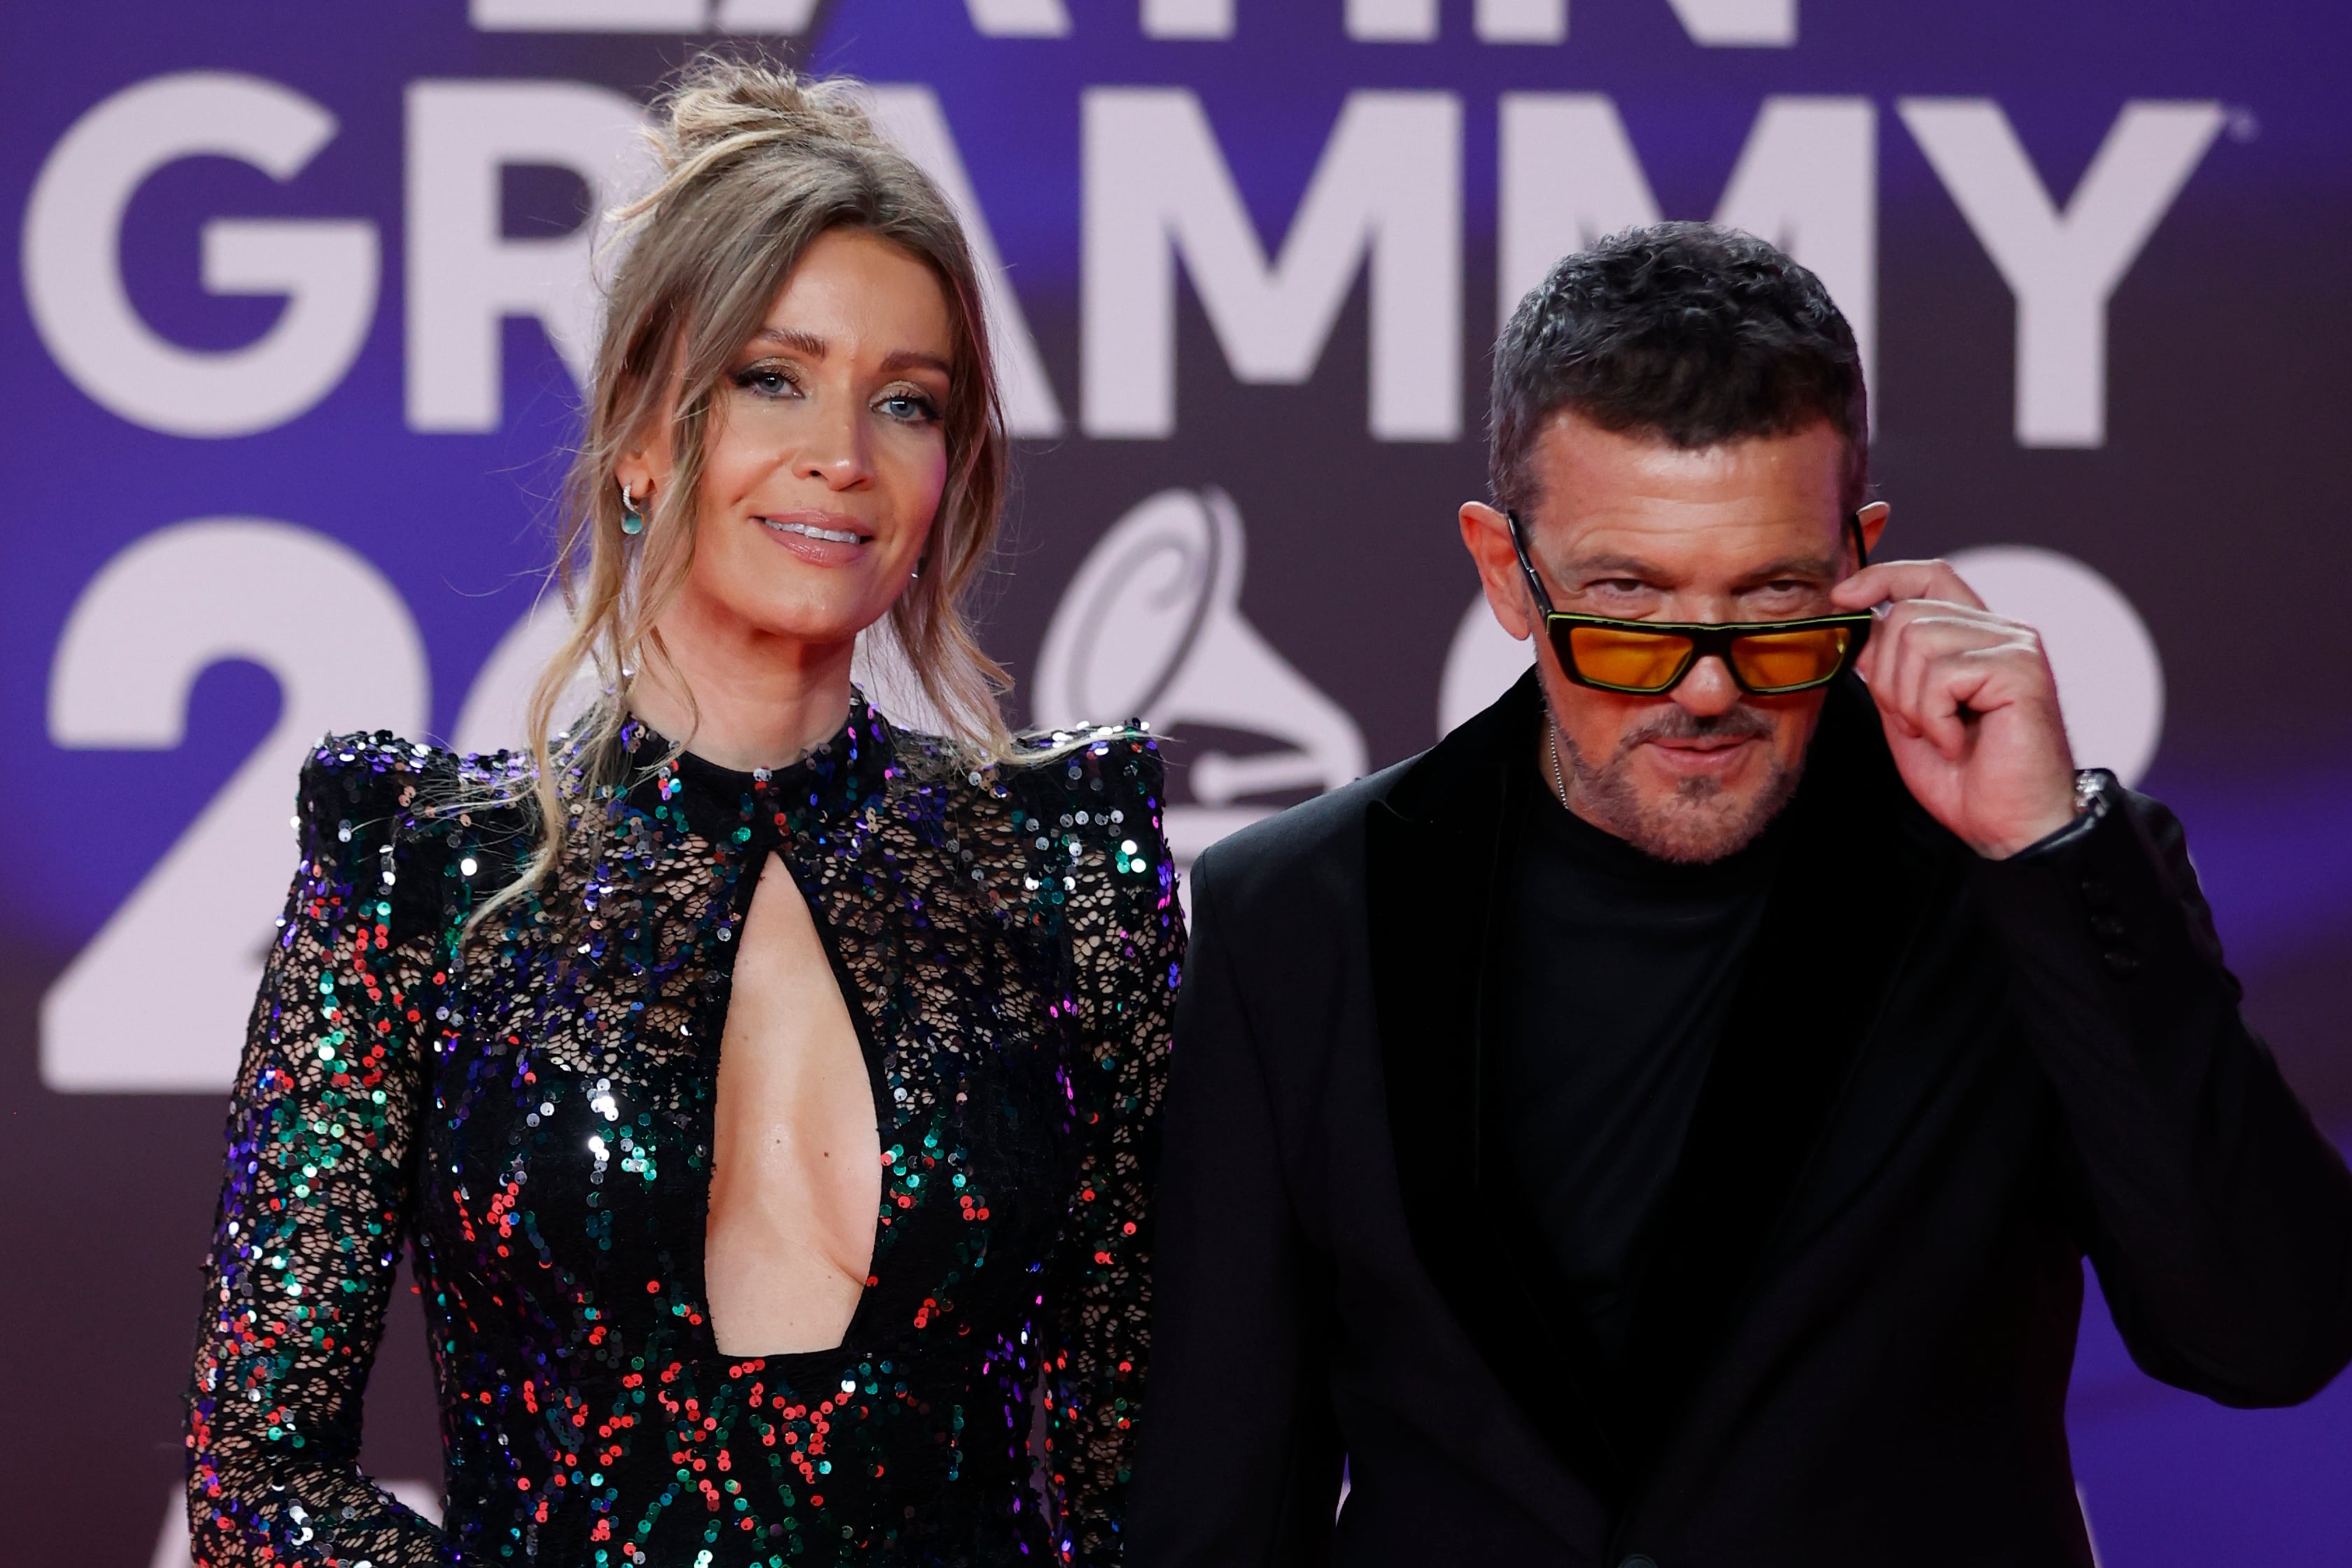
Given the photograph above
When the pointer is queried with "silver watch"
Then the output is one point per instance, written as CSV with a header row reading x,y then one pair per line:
x,y
2090,792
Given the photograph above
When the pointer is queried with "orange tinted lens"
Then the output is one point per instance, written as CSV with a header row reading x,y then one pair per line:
x,y
1776,660
1639,661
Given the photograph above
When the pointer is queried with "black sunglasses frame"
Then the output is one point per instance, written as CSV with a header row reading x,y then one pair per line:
x,y
1707,639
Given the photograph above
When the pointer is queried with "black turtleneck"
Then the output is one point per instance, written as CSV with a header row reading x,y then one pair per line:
x,y
1618,972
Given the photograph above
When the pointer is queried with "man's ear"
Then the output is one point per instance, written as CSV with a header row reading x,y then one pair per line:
x,y
1486,535
1872,517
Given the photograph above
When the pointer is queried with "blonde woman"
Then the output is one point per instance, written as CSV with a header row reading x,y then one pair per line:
x,y
762,1089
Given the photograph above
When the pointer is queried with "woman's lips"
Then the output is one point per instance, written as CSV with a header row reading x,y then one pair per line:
x,y
816,531
819,539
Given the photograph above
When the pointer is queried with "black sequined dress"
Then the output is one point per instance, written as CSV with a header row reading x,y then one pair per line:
x,y
528,1110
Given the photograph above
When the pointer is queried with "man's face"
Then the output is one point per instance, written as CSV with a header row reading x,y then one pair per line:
x,y
1627,525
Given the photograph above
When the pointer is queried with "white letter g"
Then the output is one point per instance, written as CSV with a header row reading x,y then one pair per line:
x,y
73,273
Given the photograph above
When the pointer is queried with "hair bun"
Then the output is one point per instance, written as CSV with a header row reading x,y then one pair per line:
x,y
720,105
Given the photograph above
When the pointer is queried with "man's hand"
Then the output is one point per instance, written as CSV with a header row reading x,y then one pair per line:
x,y
1969,706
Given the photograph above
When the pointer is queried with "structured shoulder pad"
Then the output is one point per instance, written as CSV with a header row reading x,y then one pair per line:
x,y
1101,769
361,783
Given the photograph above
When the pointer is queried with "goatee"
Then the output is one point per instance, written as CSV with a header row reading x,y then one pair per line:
x,y
1700,821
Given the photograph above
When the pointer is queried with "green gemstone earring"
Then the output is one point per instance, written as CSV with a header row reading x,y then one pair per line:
x,y
633,522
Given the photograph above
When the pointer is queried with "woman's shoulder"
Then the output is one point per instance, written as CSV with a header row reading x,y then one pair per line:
x,y
374,780
1092,787
1116,765
1081,787
1050,775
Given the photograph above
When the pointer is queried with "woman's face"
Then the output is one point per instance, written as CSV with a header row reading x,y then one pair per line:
x,y
826,452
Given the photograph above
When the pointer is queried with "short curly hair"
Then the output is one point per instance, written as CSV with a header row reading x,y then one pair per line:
x,y
1692,333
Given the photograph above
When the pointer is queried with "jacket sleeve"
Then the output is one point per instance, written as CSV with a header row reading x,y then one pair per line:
x,y
1240,1463
1127,945
2220,1220
316,1197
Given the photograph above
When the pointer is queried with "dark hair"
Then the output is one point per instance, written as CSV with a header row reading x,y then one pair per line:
x,y
1693,333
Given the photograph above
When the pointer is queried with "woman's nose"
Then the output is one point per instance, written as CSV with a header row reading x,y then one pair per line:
x,y
834,451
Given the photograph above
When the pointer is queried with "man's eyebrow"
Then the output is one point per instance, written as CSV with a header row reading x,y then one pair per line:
x,y
1615,566
1814,566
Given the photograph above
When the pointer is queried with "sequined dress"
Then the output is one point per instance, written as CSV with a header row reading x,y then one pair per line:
x,y
528,1109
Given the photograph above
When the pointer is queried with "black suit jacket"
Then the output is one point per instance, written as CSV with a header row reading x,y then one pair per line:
x,y
1947,1081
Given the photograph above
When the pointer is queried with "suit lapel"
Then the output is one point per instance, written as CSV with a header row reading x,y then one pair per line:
x,y
1434,857
1934,1012
1803,1101
1843,910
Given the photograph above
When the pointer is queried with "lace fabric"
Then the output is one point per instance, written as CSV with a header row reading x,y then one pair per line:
x,y
527,1107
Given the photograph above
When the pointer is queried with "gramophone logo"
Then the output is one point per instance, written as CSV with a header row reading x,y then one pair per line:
x,y
1151,627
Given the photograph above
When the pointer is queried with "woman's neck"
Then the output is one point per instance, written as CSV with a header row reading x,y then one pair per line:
x,y
759,700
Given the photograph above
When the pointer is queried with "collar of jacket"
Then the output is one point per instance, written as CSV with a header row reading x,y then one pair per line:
x,y
1844,907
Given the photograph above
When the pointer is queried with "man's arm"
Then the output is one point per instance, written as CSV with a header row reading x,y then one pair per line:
x,y
2220,1220
1240,1460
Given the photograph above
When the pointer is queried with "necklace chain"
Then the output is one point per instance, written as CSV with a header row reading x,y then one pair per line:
x,y
1551,744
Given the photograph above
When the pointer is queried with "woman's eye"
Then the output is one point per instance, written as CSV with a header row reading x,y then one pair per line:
x,y
767,381
912,407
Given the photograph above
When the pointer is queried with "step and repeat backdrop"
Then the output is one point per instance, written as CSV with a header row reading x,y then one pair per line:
x,y
301,296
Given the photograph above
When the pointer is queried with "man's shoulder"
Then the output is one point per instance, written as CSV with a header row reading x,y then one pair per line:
x,y
1317,844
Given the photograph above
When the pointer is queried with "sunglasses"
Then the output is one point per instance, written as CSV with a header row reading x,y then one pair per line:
x,y
1650,658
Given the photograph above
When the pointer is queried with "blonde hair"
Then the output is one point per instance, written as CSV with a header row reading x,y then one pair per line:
x,y
757,164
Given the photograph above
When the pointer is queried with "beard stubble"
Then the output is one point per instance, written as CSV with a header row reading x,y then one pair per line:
x,y
1701,821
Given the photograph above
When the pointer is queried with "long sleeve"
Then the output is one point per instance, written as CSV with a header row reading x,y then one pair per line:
x,y
1242,1460
1127,933
314,1201
2218,1219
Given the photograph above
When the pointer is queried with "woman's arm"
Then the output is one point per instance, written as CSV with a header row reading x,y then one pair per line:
x,y
1127,936
315,1199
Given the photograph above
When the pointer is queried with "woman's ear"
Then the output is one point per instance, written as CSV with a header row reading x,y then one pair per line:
x,y
1486,535
635,472
646,463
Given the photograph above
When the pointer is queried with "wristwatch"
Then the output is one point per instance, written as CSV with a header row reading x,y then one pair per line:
x,y
2091,791
2093,800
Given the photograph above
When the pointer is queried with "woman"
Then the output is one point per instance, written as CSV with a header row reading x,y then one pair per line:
x,y
761,1089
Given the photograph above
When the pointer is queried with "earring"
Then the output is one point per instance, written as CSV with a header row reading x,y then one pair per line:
x,y
633,522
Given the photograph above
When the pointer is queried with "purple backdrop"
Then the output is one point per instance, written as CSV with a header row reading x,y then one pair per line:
x,y
285,353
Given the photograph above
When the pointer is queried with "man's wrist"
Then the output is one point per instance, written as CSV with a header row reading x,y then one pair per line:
x,y
2091,801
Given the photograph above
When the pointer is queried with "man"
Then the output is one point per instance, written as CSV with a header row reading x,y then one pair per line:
x,y
1663,1124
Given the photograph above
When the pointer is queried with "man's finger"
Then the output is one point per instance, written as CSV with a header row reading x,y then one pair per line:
x,y
1918,628
1896,581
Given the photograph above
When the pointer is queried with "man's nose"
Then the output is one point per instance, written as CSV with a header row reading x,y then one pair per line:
x,y
1708,690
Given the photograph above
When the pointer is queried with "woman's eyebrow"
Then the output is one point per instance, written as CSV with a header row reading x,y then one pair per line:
x,y
816,348
808,343
917,360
